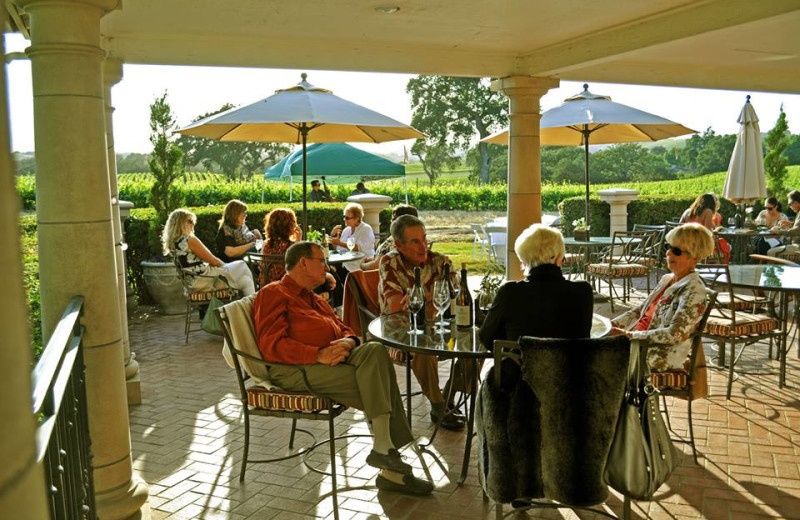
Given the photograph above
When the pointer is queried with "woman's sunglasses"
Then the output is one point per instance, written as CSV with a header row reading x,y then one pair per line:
x,y
769,208
677,251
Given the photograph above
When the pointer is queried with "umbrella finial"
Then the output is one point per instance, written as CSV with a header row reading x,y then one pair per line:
x,y
585,86
748,98
303,76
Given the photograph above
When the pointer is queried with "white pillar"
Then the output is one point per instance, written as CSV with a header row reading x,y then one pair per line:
x,y
22,491
112,74
76,236
618,199
524,158
373,205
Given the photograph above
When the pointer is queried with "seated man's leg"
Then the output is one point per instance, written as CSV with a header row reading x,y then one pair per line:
x,y
465,374
426,370
783,250
366,381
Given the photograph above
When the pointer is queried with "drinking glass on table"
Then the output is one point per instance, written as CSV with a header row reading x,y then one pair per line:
x,y
351,243
416,300
441,302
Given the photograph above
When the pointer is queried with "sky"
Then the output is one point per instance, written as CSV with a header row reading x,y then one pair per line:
x,y
192,91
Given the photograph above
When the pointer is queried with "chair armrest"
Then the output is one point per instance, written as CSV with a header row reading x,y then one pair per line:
x,y
269,364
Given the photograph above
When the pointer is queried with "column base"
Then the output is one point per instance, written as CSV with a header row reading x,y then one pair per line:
x,y
134,388
123,504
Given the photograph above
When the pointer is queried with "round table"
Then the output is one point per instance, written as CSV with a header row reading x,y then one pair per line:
x,y
740,239
336,258
779,278
392,330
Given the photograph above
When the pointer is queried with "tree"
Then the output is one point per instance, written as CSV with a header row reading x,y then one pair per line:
x,y
235,159
434,157
775,161
450,110
792,151
498,163
628,162
132,162
166,160
716,154
563,164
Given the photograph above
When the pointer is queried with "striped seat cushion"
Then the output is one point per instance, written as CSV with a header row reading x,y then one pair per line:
x,y
572,259
746,324
794,256
620,270
204,296
397,356
741,302
672,379
285,401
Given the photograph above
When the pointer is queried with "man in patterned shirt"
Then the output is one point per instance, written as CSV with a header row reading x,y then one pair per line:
x,y
387,245
397,276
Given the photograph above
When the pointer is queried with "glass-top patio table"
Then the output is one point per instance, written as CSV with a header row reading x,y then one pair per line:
x,y
392,330
780,278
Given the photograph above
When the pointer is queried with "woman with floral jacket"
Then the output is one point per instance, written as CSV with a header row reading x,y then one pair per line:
x,y
670,314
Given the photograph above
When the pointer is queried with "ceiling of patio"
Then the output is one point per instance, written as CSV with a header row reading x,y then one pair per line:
x,y
728,44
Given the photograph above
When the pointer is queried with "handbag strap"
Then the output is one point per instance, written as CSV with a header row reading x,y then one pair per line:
x,y
638,382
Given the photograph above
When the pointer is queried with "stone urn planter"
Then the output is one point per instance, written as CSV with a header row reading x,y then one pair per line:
x,y
165,287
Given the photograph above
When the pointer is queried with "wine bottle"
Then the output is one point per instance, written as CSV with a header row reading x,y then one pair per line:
x,y
451,309
464,305
324,244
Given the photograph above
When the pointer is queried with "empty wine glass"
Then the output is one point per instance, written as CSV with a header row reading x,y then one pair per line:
x,y
416,300
441,302
351,243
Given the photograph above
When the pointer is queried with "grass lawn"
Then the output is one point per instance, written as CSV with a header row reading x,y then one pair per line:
x,y
462,252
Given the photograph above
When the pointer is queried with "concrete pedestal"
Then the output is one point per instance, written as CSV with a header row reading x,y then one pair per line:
x,y
618,199
373,205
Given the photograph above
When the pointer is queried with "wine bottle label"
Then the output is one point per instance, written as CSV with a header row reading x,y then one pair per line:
x,y
463,316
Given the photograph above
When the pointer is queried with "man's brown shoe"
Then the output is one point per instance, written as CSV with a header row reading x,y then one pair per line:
x,y
411,485
393,461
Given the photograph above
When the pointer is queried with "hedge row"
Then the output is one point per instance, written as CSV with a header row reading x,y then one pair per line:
x,y
143,234
645,210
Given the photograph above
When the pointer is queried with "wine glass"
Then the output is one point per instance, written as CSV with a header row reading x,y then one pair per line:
x,y
441,301
416,300
351,243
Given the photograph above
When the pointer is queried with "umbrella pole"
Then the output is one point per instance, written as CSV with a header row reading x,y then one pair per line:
x,y
304,133
405,188
586,134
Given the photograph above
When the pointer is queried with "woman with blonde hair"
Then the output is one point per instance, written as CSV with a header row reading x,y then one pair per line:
x,y
544,303
234,239
670,314
199,264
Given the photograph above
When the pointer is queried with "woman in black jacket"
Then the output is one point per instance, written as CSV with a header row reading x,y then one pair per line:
x,y
543,304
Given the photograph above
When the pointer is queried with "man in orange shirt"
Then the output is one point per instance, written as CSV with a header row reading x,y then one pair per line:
x,y
294,326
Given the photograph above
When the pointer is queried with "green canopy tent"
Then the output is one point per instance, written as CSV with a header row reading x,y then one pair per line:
x,y
340,163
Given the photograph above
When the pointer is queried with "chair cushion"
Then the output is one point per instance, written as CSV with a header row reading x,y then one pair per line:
x,y
282,400
746,324
573,258
204,296
742,302
793,256
619,269
672,379
398,356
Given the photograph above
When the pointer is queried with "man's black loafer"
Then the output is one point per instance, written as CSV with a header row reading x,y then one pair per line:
x,y
411,485
393,461
452,421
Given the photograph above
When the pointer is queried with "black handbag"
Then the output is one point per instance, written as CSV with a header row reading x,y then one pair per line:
x,y
642,456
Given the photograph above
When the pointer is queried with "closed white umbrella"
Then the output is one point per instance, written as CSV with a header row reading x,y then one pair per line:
x,y
746,181
588,118
302,114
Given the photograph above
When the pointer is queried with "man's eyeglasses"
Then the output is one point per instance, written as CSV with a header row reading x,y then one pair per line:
x,y
677,251
348,218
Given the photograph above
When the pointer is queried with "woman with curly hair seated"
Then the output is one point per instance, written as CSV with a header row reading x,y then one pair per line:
x,y
196,261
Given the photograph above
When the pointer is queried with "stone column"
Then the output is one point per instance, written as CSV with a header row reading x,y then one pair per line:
x,y
22,493
76,236
373,205
112,74
618,199
524,158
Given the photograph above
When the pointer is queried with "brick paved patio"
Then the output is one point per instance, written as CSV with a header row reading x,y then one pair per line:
x,y
187,438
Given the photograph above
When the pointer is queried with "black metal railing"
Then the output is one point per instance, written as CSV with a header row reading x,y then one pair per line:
x,y
62,436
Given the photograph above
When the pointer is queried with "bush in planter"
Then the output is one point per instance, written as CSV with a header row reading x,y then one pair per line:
x,y
143,225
